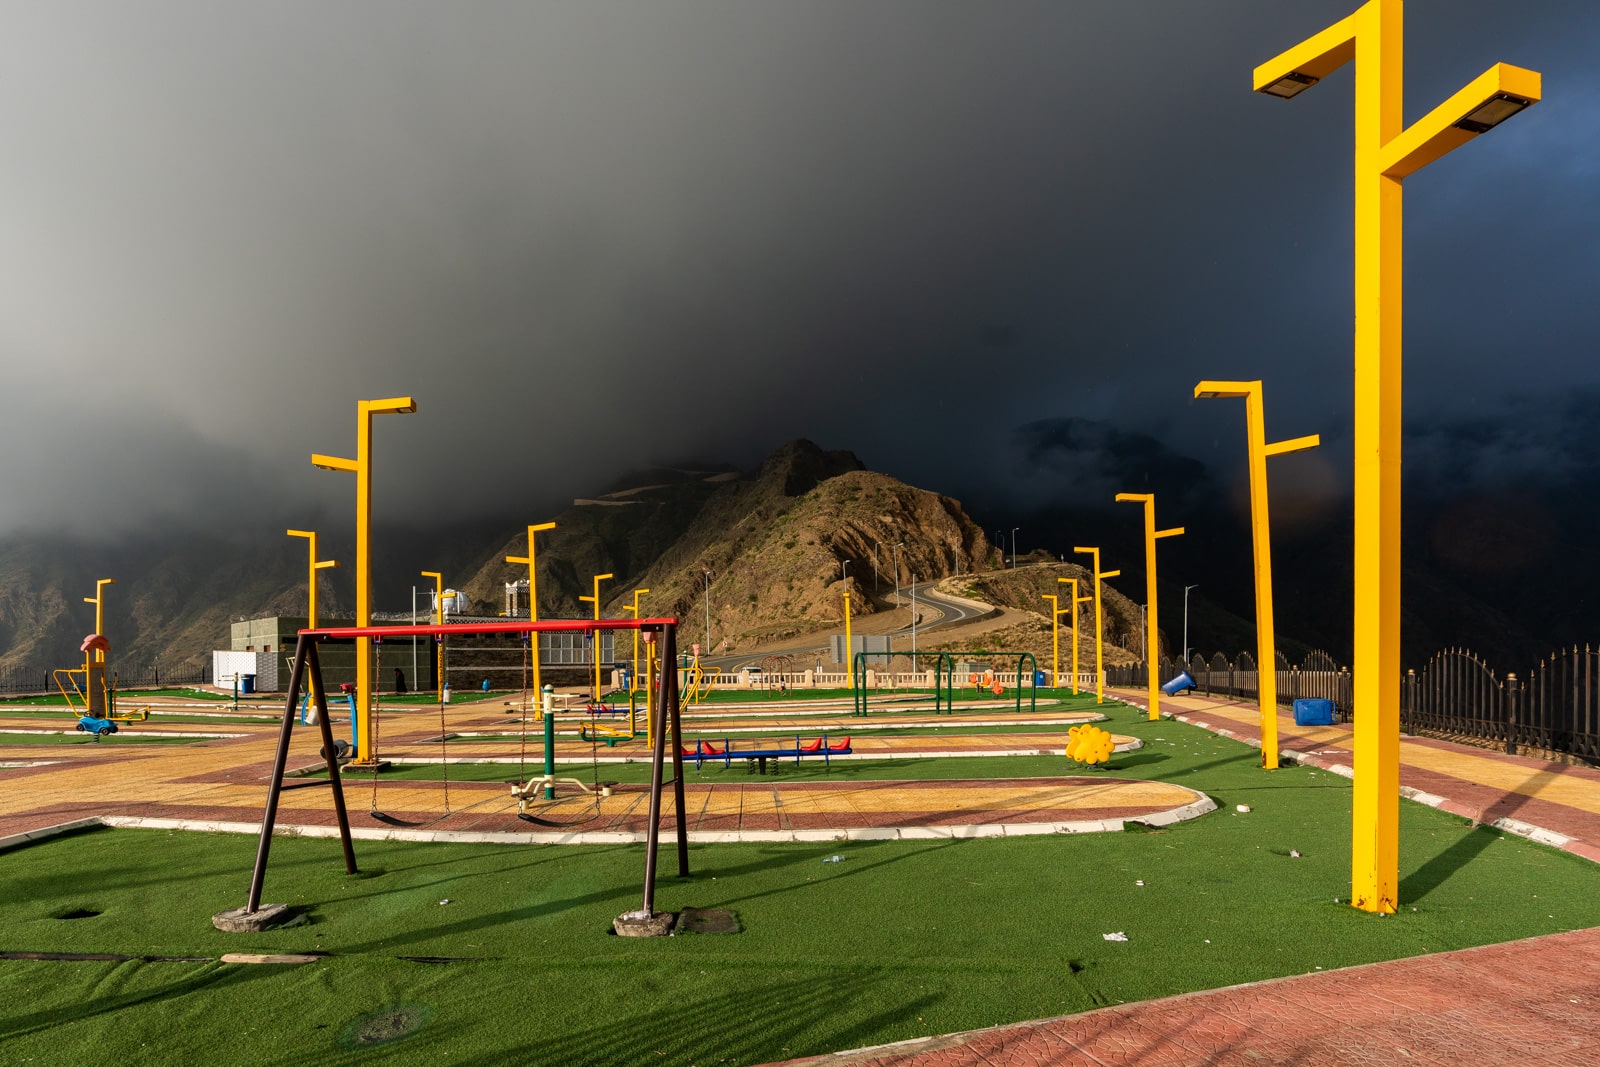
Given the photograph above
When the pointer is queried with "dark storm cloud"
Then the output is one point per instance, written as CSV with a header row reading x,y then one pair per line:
x,y
588,237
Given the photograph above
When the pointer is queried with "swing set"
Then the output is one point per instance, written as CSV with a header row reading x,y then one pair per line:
x,y
944,677
663,718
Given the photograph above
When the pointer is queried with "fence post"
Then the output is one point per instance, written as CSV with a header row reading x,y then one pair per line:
x,y
1408,706
1512,692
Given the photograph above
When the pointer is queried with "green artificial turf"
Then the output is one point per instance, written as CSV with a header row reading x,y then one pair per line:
x,y
896,940
76,738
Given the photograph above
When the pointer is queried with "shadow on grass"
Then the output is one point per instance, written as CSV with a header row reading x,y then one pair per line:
x,y
751,1024
210,975
1437,871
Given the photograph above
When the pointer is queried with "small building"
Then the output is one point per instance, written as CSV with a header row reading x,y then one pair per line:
x,y
267,644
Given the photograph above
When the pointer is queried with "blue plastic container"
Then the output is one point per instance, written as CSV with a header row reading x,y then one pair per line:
x,y
1311,712
1178,684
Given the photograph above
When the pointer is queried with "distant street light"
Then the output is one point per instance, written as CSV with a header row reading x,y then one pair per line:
x,y
707,645
533,601
361,467
897,546
1152,639
438,620
1014,530
1076,600
1055,638
315,565
595,653
849,643
1386,152
1186,623
1099,625
633,679
875,545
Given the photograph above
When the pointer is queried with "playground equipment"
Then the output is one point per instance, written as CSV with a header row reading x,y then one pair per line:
x,y
610,733
307,669
91,690
944,677
699,681
442,653
759,754
1089,744
776,670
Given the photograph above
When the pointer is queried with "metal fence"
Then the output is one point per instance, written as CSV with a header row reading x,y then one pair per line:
x,y
26,680
1553,710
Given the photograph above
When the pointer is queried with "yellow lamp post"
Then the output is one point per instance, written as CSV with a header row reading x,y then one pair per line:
x,y
99,601
595,654
1076,600
313,566
438,620
1099,625
1055,638
849,646
1386,152
1261,541
633,680
361,467
533,601
1152,642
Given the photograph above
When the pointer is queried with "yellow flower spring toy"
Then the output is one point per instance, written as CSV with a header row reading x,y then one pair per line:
x,y
1089,745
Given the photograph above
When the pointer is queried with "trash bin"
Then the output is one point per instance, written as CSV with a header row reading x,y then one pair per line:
x,y
1038,680
1177,685
1310,712
247,684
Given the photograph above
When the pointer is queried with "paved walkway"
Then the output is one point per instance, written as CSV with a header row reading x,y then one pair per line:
x,y
221,784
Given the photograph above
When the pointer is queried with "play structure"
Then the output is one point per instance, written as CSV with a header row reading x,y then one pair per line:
x,y
944,677
91,690
1088,744
306,673
757,753
698,681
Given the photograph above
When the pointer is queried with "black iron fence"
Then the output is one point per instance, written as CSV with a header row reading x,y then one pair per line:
x,y
1553,710
27,680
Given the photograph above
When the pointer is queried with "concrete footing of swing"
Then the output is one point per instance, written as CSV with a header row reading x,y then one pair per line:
x,y
643,924
367,765
241,921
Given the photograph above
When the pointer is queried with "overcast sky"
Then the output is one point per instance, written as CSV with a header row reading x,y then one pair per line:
x,y
589,236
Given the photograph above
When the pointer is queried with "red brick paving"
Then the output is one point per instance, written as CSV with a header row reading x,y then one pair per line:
x,y
1532,1002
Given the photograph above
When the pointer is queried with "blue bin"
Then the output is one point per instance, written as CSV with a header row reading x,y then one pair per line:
x,y
247,684
1039,680
1178,684
1311,712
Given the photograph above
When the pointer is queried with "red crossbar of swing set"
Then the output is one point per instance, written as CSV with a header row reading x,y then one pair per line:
x,y
542,626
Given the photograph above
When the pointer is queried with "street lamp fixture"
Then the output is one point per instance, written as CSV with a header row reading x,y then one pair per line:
x,y
533,602
1186,623
1075,601
595,644
1261,541
361,467
315,565
1152,642
438,645
1014,530
1386,152
634,682
1099,625
849,643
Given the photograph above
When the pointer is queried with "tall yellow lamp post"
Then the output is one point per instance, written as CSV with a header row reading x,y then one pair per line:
x,y
595,653
99,602
533,601
361,467
438,620
1152,642
1075,601
1261,541
1099,625
849,646
313,566
633,680
1386,152
1055,638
